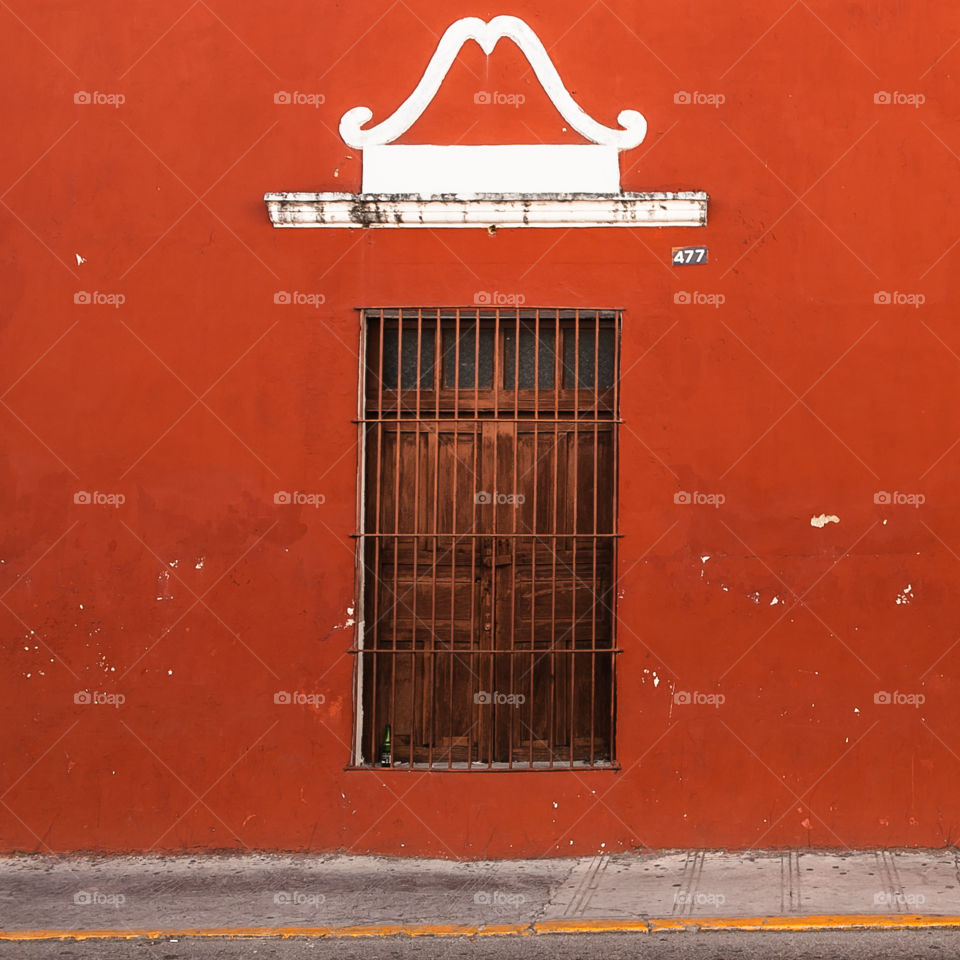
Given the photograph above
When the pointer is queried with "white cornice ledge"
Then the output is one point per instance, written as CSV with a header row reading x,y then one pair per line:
x,y
684,209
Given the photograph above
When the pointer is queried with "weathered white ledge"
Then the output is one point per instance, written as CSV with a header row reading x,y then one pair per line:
x,y
684,209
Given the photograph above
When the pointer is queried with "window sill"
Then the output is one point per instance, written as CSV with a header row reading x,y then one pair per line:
x,y
538,766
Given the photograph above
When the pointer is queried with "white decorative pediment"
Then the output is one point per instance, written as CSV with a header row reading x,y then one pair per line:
x,y
496,168
487,36
511,185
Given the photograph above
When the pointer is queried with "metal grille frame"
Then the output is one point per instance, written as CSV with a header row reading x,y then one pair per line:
x,y
574,404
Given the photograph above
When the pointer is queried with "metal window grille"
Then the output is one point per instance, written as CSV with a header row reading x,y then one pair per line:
x,y
488,542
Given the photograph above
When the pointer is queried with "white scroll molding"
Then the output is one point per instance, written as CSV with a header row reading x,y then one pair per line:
x,y
487,35
510,168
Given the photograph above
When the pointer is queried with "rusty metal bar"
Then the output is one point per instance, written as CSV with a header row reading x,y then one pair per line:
x,y
398,438
531,712
614,546
514,490
435,526
576,530
374,574
594,543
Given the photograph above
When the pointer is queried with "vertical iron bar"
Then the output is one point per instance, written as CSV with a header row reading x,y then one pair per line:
x,y
494,640
513,540
396,540
377,523
436,542
415,542
576,530
531,725
558,379
453,555
615,541
596,543
475,659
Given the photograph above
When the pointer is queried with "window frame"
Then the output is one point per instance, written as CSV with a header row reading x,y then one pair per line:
x,y
496,400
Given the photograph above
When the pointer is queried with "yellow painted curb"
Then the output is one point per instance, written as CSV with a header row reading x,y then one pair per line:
x,y
360,930
544,927
591,926
866,921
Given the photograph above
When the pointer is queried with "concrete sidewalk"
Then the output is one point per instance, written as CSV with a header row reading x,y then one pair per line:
x,y
43,897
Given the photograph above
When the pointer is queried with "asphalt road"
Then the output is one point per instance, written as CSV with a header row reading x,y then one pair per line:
x,y
893,945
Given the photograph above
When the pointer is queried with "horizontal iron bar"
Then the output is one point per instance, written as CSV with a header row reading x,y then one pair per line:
x,y
484,651
492,535
524,312
570,422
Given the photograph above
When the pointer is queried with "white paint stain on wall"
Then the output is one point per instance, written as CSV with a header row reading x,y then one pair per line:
x,y
823,520
163,586
349,622
905,595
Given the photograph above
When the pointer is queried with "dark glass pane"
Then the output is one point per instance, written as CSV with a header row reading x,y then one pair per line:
x,y
470,344
528,371
606,372
583,373
408,367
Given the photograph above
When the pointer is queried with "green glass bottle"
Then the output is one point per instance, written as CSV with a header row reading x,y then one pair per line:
x,y
385,751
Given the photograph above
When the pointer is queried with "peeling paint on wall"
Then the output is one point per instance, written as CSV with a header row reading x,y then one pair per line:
x,y
824,519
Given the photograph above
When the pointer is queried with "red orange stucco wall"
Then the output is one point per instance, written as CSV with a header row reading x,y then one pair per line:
x,y
198,397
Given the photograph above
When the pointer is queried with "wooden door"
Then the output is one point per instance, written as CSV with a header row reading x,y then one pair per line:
x,y
552,588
